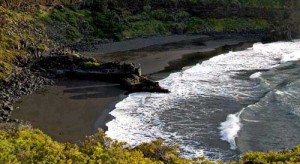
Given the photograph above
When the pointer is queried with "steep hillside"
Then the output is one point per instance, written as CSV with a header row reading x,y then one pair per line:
x,y
30,28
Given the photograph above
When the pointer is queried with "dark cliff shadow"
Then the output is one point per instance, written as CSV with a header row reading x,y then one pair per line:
x,y
95,95
92,91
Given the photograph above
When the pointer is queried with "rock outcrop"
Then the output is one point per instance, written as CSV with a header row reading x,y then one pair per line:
x,y
12,88
72,65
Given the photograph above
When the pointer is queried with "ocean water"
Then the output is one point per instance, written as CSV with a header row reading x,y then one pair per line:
x,y
229,104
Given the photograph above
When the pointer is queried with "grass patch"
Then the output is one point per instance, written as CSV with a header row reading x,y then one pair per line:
x,y
5,69
198,25
18,31
146,28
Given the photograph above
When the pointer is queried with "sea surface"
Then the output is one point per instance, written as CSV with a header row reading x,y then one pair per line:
x,y
221,107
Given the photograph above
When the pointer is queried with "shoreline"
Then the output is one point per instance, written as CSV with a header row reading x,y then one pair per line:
x,y
157,58
183,61
103,109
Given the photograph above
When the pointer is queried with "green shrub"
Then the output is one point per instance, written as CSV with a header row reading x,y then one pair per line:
x,y
288,156
72,33
198,25
146,28
26,145
22,144
107,25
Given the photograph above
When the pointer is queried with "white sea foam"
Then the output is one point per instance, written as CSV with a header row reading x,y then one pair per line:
x,y
291,57
255,121
143,117
286,51
255,75
230,128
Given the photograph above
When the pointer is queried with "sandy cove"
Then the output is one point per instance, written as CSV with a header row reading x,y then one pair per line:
x,y
74,109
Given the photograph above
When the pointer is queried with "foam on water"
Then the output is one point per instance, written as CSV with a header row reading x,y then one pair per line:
x,y
229,129
143,117
255,75
291,57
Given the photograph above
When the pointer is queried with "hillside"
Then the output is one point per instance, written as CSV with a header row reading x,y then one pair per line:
x,y
31,28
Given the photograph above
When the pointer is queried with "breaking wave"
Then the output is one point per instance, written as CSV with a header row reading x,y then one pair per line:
x,y
199,108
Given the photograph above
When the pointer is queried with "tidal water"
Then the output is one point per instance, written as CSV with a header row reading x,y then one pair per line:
x,y
221,107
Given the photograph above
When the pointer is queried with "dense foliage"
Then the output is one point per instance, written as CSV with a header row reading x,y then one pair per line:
x,y
88,25
22,144
139,4
288,156
26,145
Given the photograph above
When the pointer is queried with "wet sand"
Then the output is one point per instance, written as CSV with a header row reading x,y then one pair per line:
x,y
68,111
74,108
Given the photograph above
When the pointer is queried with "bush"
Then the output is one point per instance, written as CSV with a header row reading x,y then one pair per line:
x,y
198,25
107,25
26,145
288,156
72,34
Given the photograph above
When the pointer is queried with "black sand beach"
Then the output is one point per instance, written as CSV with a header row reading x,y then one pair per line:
x,y
73,109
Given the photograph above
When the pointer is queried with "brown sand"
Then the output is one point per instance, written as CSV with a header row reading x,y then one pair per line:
x,y
74,109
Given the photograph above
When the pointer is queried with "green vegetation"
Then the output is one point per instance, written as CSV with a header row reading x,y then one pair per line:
x,y
198,25
162,22
288,156
25,145
30,5
22,144
19,32
30,27
247,3
5,68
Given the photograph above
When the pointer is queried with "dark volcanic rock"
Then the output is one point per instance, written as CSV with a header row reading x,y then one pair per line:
x,y
13,87
142,84
68,64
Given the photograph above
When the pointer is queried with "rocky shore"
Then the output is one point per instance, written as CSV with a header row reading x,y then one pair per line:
x,y
62,63
20,83
66,63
